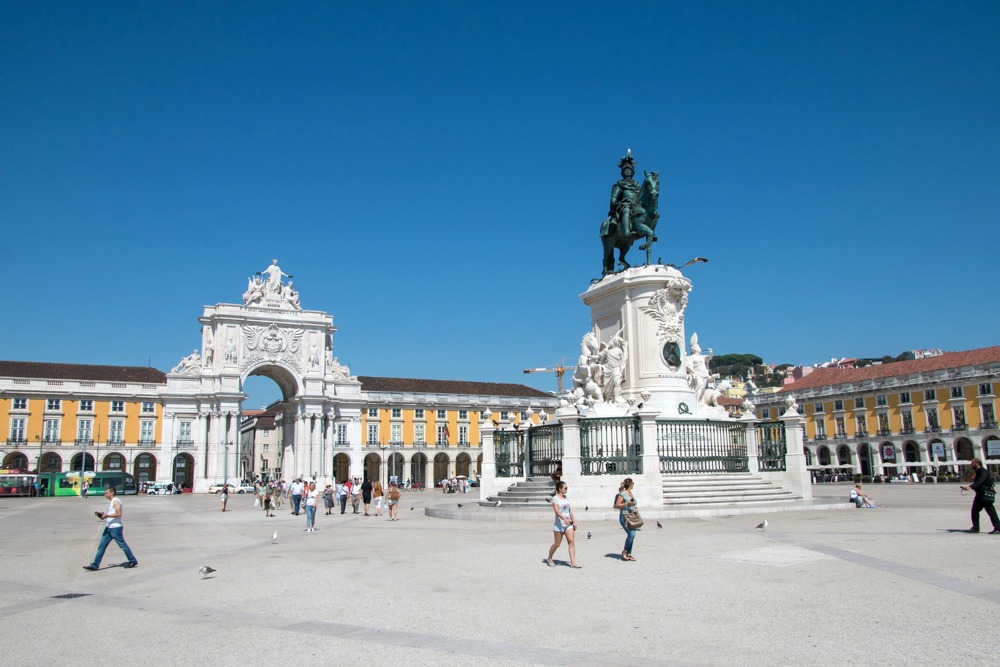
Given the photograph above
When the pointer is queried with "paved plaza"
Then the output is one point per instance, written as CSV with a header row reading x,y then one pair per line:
x,y
893,585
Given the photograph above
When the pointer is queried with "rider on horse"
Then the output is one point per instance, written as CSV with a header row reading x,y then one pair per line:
x,y
624,198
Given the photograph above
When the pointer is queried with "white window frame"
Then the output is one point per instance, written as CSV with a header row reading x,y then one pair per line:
x,y
442,437
116,431
85,429
117,406
373,413
341,434
17,429
396,433
53,404
373,434
397,413
463,434
50,430
86,405
19,403
419,434
904,397
418,413
147,432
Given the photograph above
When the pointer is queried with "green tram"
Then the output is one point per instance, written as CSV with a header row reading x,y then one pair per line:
x,y
68,483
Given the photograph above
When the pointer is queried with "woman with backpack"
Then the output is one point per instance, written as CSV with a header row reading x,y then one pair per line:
x,y
394,496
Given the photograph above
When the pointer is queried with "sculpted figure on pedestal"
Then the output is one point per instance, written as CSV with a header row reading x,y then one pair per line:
x,y
614,358
209,347
255,290
600,371
272,284
697,369
189,364
230,352
291,297
632,215
586,383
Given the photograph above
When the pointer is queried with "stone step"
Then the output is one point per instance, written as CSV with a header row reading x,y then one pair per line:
x,y
708,493
724,489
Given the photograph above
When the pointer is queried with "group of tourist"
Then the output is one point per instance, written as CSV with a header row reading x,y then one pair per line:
x,y
565,520
455,485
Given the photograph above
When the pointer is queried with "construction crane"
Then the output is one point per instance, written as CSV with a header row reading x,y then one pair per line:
x,y
559,370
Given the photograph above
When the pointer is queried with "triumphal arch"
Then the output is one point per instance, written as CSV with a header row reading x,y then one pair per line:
x,y
270,335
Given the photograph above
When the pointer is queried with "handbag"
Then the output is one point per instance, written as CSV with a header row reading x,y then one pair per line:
x,y
633,521
990,494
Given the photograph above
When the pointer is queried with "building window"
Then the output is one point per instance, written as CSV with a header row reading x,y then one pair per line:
x,y
904,397
263,464
53,404
85,429
419,436
146,432
883,424
959,415
463,414
115,462
504,415
957,392
50,432
765,413
841,430
19,404
907,421
817,407
52,463
820,429
859,403
463,435
524,416
442,438
341,434
989,417
86,405
267,448
838,405
148,407
862,424
932,419
116,432
184,432
117,406
373,413
397,433
986,389
881,400
418,414
929,395
441,414
17,429
373,434
397,413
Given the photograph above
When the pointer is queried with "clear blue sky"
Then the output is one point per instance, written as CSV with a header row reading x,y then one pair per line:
x,y
434,174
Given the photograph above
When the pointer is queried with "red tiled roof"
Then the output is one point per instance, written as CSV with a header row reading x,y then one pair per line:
x,y
409,385
42,370
826,377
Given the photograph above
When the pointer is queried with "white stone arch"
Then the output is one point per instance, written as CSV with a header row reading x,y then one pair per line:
x,y
288,379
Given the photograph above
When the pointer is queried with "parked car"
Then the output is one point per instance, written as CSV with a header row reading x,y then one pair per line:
x,y
244,488
217,488
160,489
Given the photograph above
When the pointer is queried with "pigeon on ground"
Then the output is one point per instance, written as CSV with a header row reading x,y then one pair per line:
x,y
205,570
526,500
762,525
274,538
411,509
460,504
588,534
586,508
659,525
497,503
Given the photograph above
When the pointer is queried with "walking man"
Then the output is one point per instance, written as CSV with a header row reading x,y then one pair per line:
x,y
297,488
112,531
985,497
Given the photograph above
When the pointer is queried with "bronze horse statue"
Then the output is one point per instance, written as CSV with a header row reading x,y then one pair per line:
x,y
643,225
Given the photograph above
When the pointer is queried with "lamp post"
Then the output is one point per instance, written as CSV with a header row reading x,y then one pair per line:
x,y
382,446
225,465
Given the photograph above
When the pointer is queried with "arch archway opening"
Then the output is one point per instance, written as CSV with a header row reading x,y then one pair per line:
x,y
266,434
15,461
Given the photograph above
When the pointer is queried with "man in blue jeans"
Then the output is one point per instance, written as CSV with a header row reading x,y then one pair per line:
x,y
112,531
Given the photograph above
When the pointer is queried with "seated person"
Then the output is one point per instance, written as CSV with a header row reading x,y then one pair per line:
x,y
858,498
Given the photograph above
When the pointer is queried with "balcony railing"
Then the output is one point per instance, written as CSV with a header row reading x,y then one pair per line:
x,y
147,442
16,441
185,442
932,429
907,430
116,440
820,436
960,427
84,442
989,424
861,435
51,440
885,431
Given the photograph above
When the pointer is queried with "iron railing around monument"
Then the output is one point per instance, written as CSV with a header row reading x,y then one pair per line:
x,y
771,446
508,452
687,446
610,446
545,449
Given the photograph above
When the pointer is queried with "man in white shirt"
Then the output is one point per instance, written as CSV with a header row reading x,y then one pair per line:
x,y
356,495
112,531
297,488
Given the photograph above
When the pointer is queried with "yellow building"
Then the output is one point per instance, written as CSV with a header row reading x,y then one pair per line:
x,y
59,417
921,416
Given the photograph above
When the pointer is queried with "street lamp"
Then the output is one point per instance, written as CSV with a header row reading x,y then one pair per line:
x,y
225,465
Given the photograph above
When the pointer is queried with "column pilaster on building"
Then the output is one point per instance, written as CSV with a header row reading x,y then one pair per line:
x,y
571,465
749,419
650,451
796,478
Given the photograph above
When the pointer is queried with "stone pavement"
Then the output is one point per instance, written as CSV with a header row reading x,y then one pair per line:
x,y
895,585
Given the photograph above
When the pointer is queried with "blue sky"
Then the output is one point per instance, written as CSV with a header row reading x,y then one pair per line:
x,y
434,174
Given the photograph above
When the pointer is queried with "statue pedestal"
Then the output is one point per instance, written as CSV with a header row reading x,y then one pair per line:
x,y
647,304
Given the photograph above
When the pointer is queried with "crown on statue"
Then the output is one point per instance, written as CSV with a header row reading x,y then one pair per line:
x,y
627,160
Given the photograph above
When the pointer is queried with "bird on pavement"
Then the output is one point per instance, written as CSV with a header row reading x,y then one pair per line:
x,y
274,538
588,534
411,509
762,525
205,570
460,504
526,500
586,508
659,525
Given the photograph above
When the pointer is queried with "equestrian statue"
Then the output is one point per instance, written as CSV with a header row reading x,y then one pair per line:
x,y
632,215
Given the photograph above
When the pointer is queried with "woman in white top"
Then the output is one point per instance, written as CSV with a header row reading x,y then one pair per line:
x,y
565,524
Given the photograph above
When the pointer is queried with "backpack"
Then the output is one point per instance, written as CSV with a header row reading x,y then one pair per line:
x,y
394,493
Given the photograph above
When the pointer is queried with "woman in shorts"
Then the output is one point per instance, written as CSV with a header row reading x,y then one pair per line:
x,y
565,525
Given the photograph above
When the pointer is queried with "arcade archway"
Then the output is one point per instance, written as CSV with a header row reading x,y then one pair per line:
x,y
15,460
144,468
74,463
183,471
